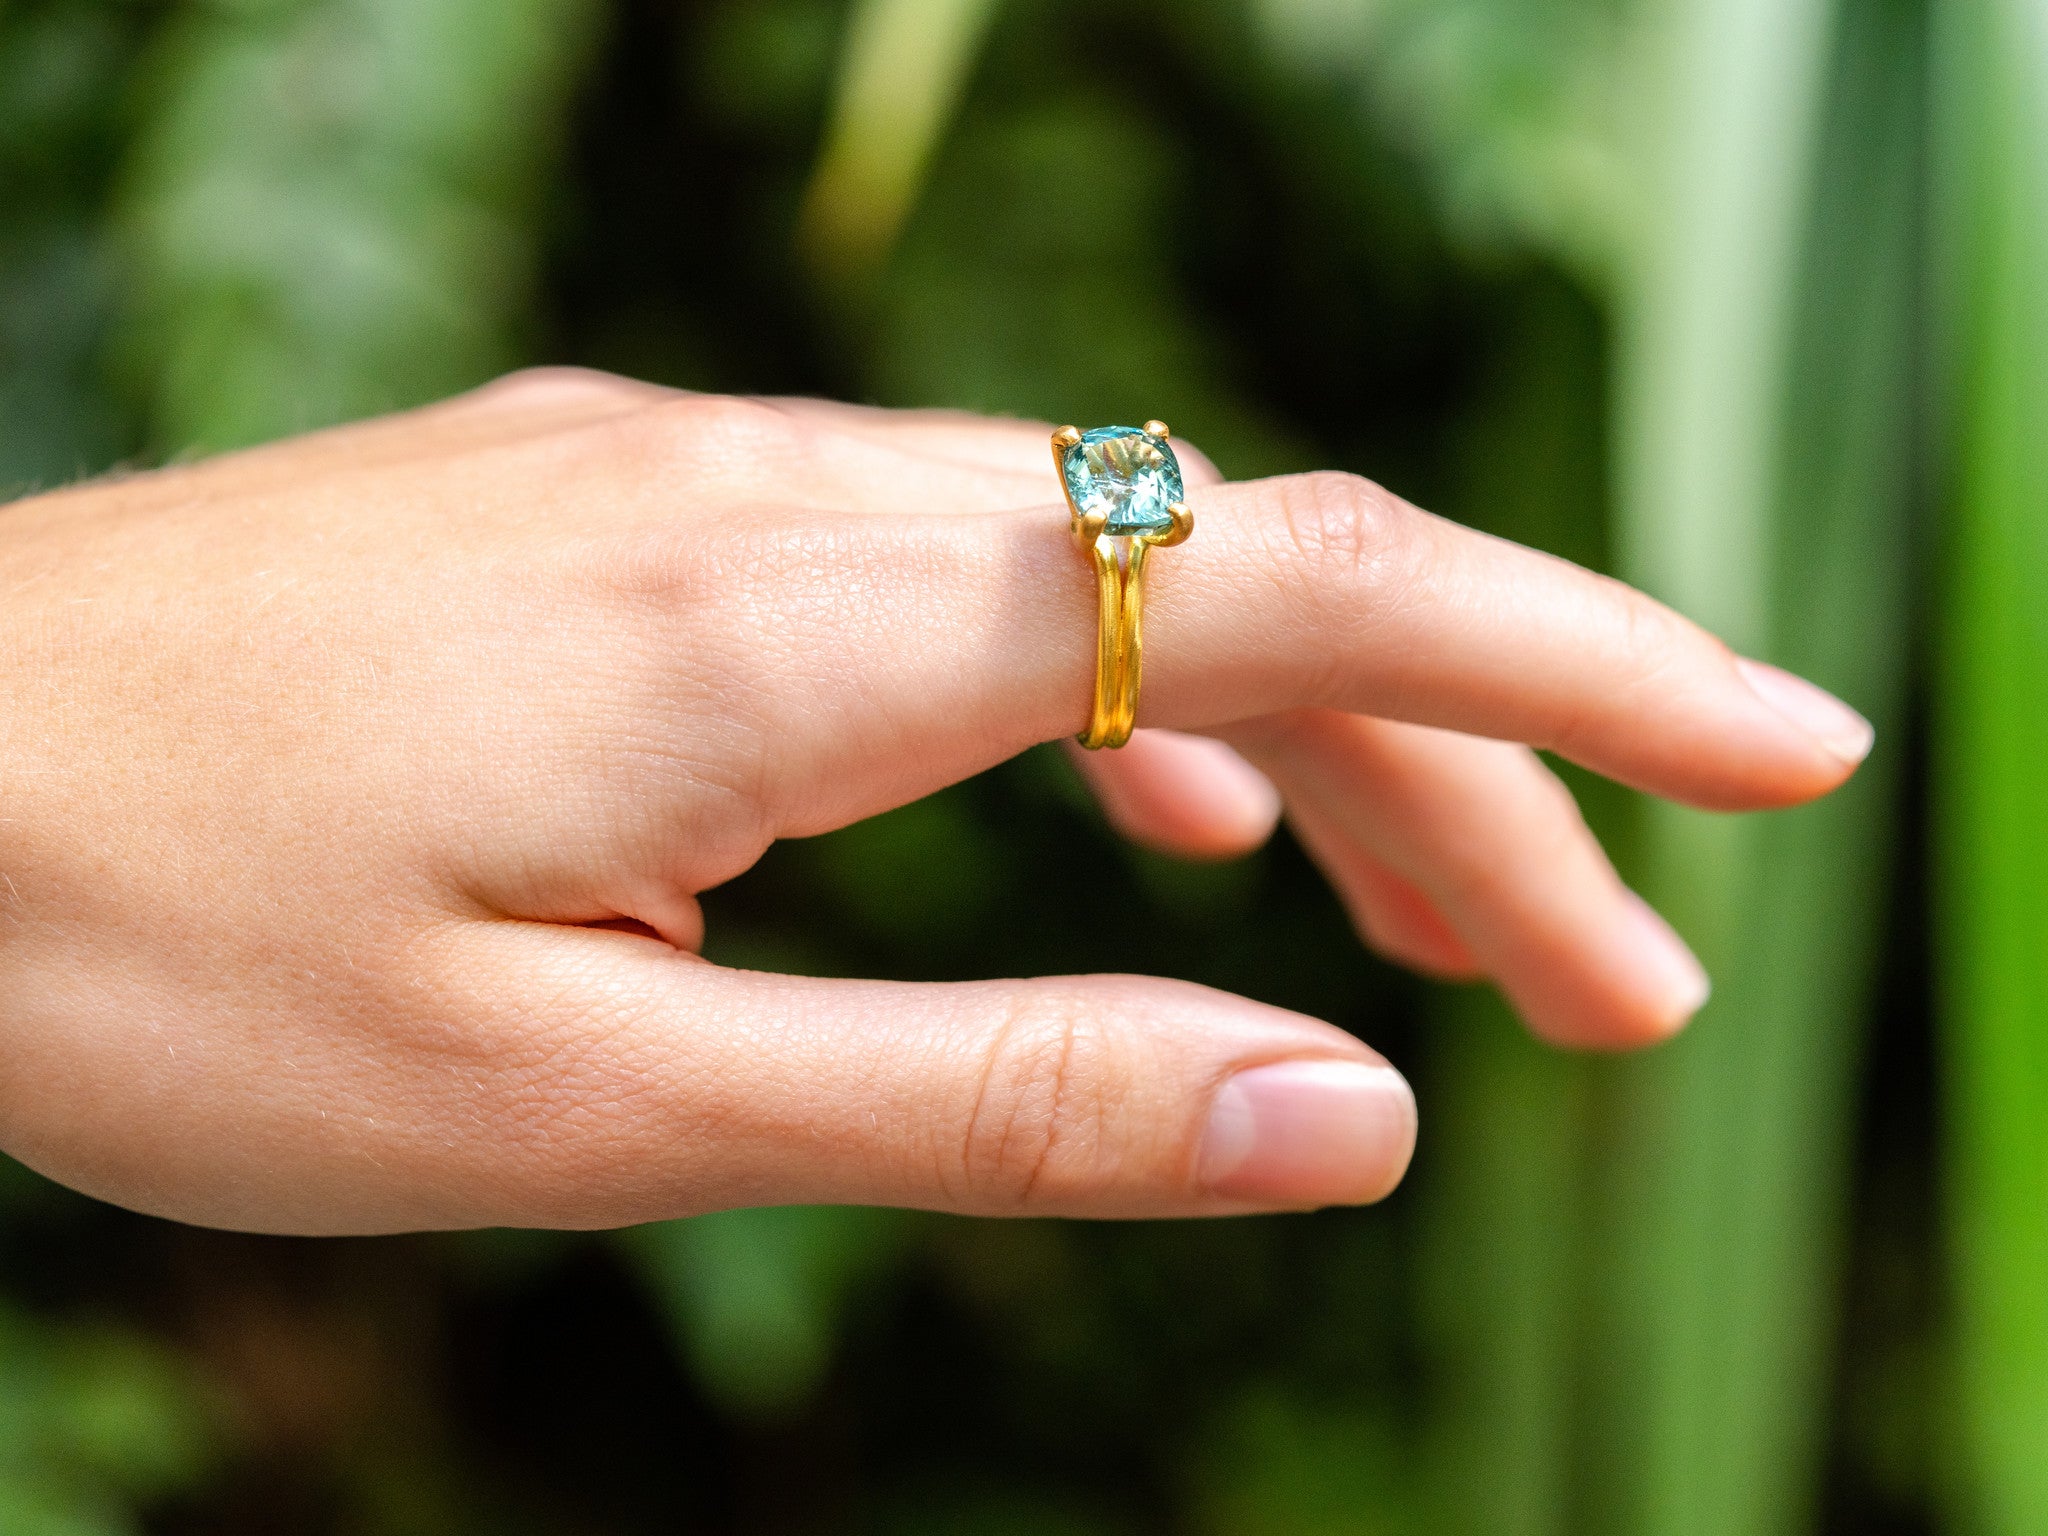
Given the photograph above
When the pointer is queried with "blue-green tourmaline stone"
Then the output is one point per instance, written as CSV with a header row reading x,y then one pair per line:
x,y
1128,476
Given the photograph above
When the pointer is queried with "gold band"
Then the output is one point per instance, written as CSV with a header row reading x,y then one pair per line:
x,y
1119,654
1119,561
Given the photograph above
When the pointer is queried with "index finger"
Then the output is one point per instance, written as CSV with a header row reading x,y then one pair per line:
x,y
1325,589
940,645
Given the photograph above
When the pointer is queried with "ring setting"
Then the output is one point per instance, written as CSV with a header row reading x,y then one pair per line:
x,y
1125,495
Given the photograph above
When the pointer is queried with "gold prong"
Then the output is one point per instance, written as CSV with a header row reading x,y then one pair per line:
x,y
1064,438
1088,528
1183,525
1158,429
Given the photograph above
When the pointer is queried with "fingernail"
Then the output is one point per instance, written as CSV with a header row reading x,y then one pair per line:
x,y
1673,982
1814,710
1299,1134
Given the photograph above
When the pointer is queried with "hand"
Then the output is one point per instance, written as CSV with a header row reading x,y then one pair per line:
x,y
358,790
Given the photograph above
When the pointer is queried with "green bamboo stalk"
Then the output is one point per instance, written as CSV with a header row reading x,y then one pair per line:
x,y
1503,1273
1991,104
1645,1254
1784,359
1706,314
905,66
1504,1168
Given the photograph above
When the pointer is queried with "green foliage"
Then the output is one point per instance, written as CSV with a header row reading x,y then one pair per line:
x,y
927,871
1717,1166
756,1296
329,211
1522,111
906,66
92,1421
1004,265
1279,1467
62,66
991,1511
1992,108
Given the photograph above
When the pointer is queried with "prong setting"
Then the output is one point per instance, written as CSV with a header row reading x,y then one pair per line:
x,y
1063,440
1124,496
1129,475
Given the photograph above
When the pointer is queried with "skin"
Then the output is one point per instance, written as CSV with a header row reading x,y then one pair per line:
x,y
356,794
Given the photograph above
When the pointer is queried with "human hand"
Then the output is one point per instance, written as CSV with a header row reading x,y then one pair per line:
x,y
325,766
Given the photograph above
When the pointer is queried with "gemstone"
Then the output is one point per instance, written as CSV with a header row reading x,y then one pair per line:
x,y
1130,477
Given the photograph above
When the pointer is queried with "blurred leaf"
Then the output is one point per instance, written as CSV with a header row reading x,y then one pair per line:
x,y
961,1509
63,66
1505,1244
58,422
23,1189
92,1423
1279,1467
1781,381
1523,111
765,63
60,63
924,872
502,1257
1991,103
1707,313
330,211
1639,1285
1198,891
1013,295
905,66
756,1296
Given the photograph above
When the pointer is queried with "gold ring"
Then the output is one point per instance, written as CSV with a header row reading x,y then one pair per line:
x,y
1124,495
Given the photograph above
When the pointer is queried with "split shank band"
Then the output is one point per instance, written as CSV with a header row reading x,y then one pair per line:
x,y
1124,495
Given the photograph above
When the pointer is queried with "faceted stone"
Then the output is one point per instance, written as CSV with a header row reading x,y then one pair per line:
x,y
1129,476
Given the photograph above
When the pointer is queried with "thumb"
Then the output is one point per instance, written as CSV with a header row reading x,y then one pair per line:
x,y
681,1087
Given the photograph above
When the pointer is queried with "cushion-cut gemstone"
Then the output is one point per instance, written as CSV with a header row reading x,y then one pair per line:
x,y
1129,476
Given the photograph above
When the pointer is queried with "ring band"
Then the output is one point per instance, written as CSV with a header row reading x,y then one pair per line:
x,y
1124,495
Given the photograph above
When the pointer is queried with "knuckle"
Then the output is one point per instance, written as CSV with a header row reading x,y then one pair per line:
x,y
1346,559
716,434
1042,1131
1664,646
1645,627
1648,652
723,448
669,567
562,385
1342,526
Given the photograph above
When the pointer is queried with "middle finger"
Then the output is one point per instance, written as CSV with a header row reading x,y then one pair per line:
x,y
1496,844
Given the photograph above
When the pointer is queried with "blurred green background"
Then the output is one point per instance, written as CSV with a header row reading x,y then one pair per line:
x,y
1744,300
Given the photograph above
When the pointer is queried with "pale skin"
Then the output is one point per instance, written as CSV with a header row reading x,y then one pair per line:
x,y
321,766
